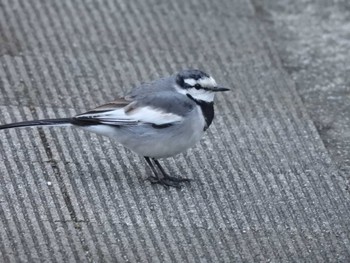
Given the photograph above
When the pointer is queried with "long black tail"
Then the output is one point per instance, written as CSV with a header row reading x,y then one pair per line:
x,y
47,122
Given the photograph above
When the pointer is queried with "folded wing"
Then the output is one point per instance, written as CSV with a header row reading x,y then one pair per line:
x,y
126,112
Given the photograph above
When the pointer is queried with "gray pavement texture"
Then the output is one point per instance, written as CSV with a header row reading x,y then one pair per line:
x,y
265,188
312,39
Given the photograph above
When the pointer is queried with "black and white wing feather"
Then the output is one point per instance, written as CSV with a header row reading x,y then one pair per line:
x,y
134,112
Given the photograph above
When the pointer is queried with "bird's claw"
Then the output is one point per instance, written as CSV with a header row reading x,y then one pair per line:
x,y
168,181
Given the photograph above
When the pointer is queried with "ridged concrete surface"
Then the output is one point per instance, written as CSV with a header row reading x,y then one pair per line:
x,y
264,186
312,40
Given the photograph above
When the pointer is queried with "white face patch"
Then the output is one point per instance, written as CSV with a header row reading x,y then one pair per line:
x,y
199,94
191,82
206,82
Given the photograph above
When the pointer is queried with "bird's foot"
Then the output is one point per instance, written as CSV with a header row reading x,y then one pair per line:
x,y
169,181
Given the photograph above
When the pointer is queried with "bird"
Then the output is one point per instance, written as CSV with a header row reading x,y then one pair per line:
x,y
157,119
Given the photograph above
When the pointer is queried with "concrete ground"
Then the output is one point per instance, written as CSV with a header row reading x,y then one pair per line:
x,y
268,184
312,40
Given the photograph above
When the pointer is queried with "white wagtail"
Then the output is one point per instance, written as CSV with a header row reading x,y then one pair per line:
x,y
155,120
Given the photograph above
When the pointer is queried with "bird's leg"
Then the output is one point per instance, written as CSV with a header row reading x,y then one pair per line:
x,y
168,177
159,177
162,178
154,170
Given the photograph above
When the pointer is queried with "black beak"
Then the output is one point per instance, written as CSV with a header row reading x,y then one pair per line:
x,y
220,88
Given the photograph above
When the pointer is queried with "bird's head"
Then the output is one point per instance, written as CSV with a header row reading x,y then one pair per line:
x,y
197,84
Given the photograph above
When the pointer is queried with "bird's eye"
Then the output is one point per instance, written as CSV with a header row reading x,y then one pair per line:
x,y
197,86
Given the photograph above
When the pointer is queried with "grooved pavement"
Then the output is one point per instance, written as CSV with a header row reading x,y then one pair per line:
x,y
264,186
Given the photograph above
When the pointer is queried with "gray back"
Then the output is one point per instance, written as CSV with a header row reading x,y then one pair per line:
x,y
161,94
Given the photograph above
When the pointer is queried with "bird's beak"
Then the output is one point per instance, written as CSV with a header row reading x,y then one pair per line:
x,y
220,88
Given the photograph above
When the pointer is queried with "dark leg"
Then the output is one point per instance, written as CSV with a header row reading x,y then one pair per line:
x,y
174,179
162,178
154,170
